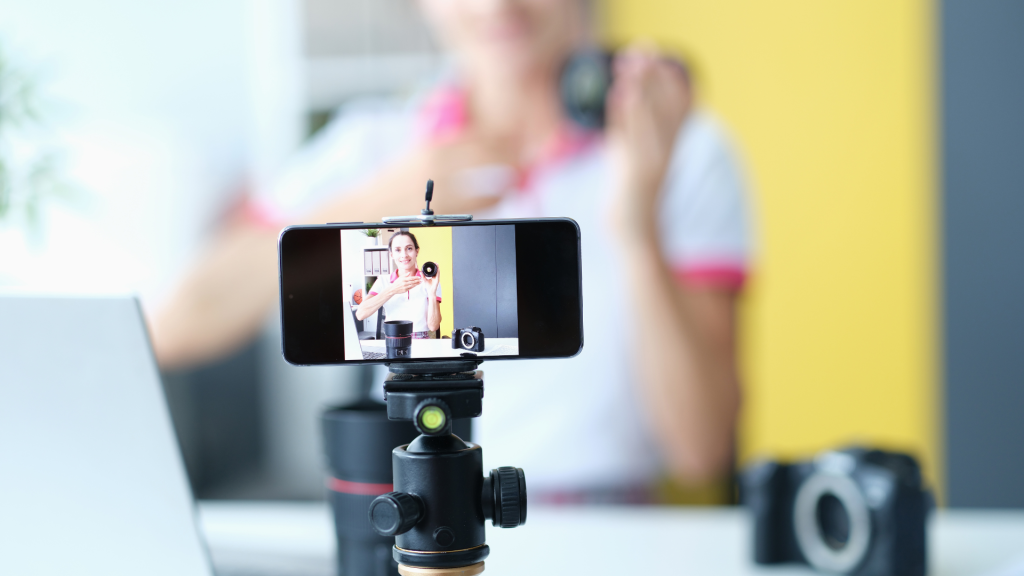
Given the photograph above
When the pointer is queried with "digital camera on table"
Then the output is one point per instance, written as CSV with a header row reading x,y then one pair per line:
x,y
852,511
471,339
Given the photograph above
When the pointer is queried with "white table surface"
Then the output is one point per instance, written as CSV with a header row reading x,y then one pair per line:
x,y
442,348
606,540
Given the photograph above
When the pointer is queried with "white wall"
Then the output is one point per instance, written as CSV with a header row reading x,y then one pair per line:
x,y
165,110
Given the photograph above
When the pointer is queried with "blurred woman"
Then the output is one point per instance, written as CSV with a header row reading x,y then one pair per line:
x,y
662,208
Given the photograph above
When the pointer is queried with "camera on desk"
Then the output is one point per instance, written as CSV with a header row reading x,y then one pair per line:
x,y
471,339
852,511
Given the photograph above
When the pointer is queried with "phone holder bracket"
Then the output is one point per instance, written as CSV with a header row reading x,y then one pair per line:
x,y
427,216
456,382
436,367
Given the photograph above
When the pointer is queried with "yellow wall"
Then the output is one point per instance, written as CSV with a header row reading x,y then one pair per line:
x,y
436,247
832,104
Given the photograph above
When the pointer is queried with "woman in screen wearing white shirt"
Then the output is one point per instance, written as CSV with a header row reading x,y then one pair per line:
x,y
406,294
661,203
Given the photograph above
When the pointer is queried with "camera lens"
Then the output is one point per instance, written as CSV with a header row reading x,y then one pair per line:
x,y
467,340
398,338
833,521
584,85
430,269
358,440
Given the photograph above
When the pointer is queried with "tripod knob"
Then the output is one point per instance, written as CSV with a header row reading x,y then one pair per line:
x,y
395,513
508,496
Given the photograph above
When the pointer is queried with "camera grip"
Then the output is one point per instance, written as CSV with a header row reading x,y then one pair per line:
x,y
763,490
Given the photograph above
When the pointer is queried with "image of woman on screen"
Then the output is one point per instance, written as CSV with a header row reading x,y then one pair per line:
x,y
406,294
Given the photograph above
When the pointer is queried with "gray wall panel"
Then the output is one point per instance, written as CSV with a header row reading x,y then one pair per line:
x,y
982,93
508,294
484,277
474,278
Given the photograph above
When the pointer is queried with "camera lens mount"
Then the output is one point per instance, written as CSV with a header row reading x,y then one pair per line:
x,y
467,340
821,553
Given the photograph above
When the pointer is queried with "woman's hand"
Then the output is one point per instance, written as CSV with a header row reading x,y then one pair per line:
x,y
403,284
649,100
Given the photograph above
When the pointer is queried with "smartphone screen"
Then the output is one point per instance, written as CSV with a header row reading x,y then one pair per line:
x,y
382,293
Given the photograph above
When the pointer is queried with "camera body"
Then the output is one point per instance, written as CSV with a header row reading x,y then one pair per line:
x,y
471,339
585,81
853,511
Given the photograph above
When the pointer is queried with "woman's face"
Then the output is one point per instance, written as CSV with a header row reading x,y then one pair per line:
x,y
404,253
513,36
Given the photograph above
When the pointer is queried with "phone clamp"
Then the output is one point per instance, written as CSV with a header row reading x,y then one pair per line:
x,y
441,498
427,216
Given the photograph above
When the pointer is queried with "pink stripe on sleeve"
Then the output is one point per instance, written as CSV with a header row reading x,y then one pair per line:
x,y
263,214
727,275
444,115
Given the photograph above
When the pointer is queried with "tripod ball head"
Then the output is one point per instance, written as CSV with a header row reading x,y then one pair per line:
x,y
441,498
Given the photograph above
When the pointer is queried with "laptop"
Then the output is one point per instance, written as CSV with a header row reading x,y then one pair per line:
x,y
91,478
353,349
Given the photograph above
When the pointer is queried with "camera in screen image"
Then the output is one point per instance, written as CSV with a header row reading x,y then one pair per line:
x,y
852,511
471,339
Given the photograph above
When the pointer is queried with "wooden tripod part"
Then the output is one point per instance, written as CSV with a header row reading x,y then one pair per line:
x,y
471,570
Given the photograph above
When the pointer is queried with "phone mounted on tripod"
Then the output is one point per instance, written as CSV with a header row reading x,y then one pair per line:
x,y
438,500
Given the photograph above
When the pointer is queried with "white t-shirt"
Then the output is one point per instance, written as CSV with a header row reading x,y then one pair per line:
x,y
573,424
411,305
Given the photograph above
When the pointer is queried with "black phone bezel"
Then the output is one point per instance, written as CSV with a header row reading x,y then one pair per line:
x,y
329,348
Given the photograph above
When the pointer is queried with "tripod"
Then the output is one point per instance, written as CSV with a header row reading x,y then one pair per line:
x,y
441,497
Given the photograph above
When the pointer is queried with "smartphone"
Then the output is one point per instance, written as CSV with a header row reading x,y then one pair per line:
x,y
367,293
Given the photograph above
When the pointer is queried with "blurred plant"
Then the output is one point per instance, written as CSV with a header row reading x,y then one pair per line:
x,y
372,232
30,165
